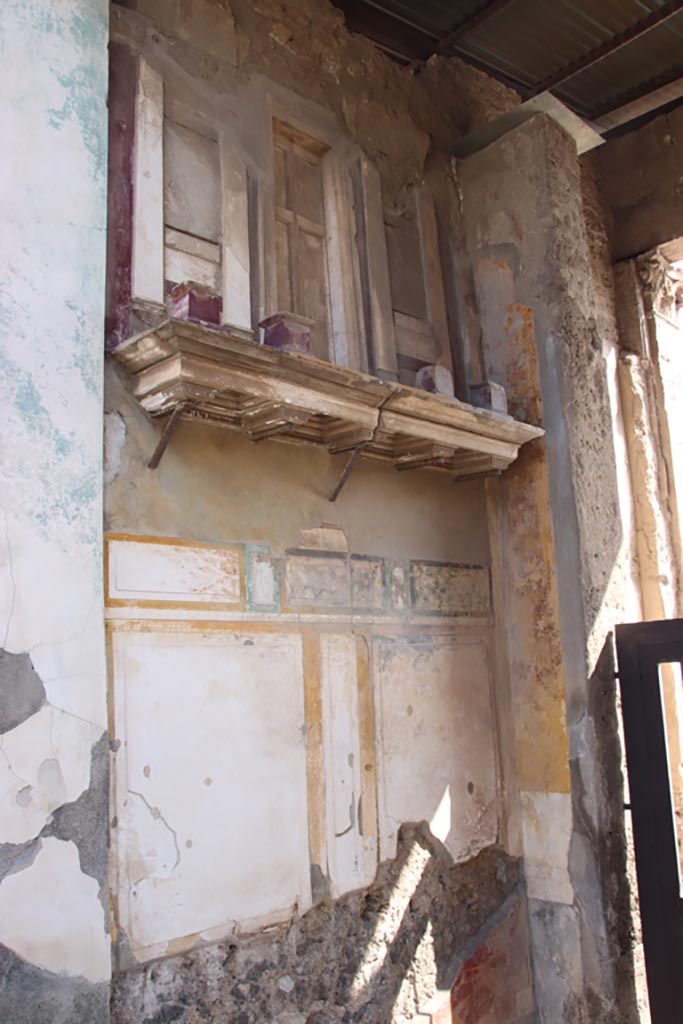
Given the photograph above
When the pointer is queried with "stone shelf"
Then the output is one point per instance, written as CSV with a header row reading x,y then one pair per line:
x,y
191,371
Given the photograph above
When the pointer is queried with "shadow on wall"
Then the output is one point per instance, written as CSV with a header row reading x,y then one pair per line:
x,y
374,956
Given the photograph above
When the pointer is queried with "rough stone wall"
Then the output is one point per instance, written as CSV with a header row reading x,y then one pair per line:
x,y
54,952
549,331
374,956
400,121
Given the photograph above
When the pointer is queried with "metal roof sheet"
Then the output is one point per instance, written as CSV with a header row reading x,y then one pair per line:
x,y
528,43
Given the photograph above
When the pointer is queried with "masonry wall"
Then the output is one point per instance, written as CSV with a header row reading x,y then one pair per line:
x,y
310,815
54,927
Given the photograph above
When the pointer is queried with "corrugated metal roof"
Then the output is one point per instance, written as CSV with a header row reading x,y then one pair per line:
x,y
525,42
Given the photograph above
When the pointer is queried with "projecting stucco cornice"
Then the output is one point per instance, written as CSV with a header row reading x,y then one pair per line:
x,y
190,371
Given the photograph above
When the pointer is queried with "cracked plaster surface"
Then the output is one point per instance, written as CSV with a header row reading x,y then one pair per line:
x,y
51,310
44,763
33,909
50,601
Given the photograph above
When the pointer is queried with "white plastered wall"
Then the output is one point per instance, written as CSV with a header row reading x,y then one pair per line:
x,y
53,137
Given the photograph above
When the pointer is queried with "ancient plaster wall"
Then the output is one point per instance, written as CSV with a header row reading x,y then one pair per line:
x,y
369,618
640,179
54,952
381,675
549,337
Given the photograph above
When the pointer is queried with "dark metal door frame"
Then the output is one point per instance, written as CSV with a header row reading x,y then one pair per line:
x,y
641,649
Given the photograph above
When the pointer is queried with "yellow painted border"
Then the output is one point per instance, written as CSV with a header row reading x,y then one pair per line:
x,y
315,770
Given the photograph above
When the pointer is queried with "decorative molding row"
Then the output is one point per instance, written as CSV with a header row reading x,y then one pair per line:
x,y
167,574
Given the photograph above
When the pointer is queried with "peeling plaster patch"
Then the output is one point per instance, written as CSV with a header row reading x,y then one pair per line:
x,y
17,856
114,442
46,759
22,693
59,927
85,820
24,796
53,596
29,995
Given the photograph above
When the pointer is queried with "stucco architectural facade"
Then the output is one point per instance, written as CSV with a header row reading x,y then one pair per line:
x,y
307,589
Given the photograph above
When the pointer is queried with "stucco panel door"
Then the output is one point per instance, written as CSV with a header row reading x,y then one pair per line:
x,y
650,657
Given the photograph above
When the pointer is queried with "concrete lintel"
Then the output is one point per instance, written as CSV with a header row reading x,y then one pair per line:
x,y
585,136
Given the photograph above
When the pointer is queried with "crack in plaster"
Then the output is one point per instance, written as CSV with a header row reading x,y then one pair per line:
x,y
158,816
24,782
71,637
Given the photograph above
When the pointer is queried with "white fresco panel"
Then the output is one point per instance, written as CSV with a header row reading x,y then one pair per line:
x,y
436,742
143,571
211,784
351,858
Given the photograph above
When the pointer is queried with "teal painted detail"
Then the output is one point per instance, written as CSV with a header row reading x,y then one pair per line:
x,y
81,29
52,296
87,358
256,553
71,481
83,105
26,399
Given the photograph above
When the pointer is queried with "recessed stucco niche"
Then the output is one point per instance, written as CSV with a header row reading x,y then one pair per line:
x,y
267,758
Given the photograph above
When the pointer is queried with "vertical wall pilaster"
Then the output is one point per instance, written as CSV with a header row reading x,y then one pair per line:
x,y
561,539
54,940
236,265
148,187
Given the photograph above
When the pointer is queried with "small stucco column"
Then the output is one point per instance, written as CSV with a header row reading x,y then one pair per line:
x,y
559,537
54,932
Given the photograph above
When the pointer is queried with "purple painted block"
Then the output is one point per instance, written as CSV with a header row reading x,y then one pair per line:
x,y
190,301
489,395
288,332
122,78
436,379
